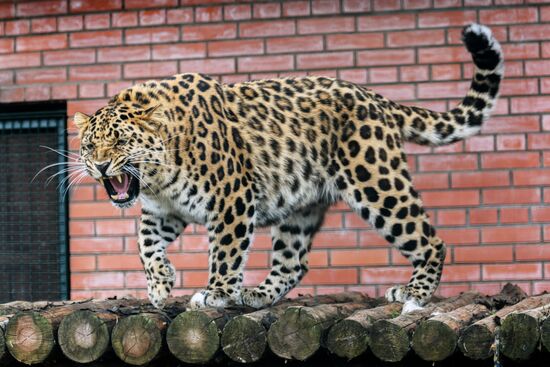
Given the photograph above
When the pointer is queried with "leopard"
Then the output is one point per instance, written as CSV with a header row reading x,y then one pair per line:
x,y
275,153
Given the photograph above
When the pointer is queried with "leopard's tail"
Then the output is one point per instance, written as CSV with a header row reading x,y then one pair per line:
x,y
427,127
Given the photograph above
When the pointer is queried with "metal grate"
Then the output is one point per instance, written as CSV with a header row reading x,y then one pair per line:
x,y
33,214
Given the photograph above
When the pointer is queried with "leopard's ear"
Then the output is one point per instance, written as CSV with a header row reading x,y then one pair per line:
x,y
81,120
151,117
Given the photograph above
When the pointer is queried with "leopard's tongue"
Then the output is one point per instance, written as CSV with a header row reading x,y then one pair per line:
x,y
121,187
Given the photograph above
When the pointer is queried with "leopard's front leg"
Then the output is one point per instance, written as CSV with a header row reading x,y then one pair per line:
x,y
230,235
155,234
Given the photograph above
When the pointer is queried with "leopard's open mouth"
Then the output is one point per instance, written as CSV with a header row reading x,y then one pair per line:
x,y
123,189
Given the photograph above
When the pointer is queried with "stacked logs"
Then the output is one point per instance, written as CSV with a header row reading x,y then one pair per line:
x,y
347,325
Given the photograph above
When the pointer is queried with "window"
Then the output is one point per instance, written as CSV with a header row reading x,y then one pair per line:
x,y
33,214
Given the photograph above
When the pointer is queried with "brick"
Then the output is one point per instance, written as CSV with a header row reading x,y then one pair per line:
x,y
208,14
416,38
150,69
460,273
238,47
97,21
437,55
354,221
326,239
330,276
267,10
511,124
383,75
529,32
451,198
510,234
123,54
17,27
133,4
339,24
532,177
480,179
7,11
530,104
124,19
414,73
354,41
510,160
83,193
179,16
361,257
321,7
115,227
386,275
511,196
480,143
93,210
448,89
7,45
324,60
152,35
119,262
82,6
514,215
416,4
237,12
446,18
97,280
385,57
194,279
43,25
451,217
453,162
430,181
65,91
95,72
385,22
382,5
516,271
267,28
483,216
208,66
37,93
39,43
540,214
95,38
7,77
446,72
396,92
521,51
12,95
358,76
20,60
538,141
70,57
509,16
532,252
318,259
296,8
82,263
95,245
356,6
265,63
31,9
54,75
294,44
70,23
511,142
209,32
519,87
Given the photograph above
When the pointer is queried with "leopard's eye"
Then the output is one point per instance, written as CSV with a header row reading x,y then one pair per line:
x,y
89,146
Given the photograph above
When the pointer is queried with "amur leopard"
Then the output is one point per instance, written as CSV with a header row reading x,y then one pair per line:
x,y
275,153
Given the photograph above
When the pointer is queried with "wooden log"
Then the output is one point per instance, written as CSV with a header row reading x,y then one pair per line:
x,y
84,336
298,333
391,339
137,339
476,342
29,337
520,332
194,336
244,337
545,333
350,337
436,338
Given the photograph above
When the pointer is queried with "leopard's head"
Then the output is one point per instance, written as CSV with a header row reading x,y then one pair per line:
x,y
118,144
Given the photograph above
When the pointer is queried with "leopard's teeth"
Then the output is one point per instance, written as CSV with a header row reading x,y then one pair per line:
x,y
101,180
119,178
114,197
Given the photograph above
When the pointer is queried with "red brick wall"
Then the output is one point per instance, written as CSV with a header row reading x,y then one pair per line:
x,y
487,195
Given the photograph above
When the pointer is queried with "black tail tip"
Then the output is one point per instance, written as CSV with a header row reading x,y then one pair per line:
x,y
484,48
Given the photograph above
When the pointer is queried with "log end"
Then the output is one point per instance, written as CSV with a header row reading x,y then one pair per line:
x,y
296,335
434,341
243,339
348,339
136,339
193,337
476,342
388,341
29,337
545,333
83,337
519,336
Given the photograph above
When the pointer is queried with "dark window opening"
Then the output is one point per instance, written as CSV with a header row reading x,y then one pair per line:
x,y
33,214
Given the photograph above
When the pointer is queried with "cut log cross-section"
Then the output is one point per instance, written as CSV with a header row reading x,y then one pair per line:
x,y
29,337
476,342
244,338
391,339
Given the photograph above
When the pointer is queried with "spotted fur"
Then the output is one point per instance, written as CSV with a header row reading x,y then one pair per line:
x,y
276,153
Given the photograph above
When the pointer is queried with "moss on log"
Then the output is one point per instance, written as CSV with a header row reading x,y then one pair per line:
x,y
137,339
244,337
435,339
29,337
520,333
391,339
350,337
476,342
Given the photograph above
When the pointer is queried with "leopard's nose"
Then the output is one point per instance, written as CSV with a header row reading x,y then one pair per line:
x,y
102,167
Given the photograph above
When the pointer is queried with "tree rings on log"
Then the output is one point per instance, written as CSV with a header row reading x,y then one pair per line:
x,y
193,337
137,339
83,337
244,339
29,337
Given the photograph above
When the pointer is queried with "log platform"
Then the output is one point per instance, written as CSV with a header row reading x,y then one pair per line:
x,y
349,328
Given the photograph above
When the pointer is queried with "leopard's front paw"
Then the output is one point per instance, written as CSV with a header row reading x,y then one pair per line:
x,y
217,298
398,293
159,290
255,298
